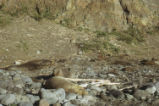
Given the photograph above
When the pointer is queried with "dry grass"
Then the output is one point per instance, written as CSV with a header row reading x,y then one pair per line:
x,y
35,8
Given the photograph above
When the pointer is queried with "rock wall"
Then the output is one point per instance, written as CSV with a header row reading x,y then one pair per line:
x,y
95,15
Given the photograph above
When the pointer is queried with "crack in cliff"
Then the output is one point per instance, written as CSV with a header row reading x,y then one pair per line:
x,y
125,10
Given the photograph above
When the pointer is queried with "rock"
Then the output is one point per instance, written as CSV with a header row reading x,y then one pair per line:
x,y
57,104
112,87
85,100
71,96
22,99
18,83
116,93
68,104
5,84
2,96
100,104
151,89
43,103
52,96
25,104
32,98
1,71
129,97
103,96
8,99
17,90
141,94
156,103
16,77
26,80
3,91
157,86
98,89
35,88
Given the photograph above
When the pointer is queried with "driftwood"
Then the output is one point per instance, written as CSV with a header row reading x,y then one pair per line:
x,y
97,82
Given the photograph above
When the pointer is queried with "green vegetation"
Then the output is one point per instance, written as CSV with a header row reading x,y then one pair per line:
x,y
102,43
98,46
101,34
65,22
4,19
131,36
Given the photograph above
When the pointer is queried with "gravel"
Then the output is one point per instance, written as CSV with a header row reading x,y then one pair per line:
x,y
19,89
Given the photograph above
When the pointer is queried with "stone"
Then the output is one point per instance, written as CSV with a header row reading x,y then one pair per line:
x,y
151,90
18,83
2,96
16,77
157,86
22,99
3,91
57,104
52,96
35,88
116,93
85,100
103,96
129,97
68,104
156,103
27,80
25,104
100,104
71,96
32,98
18,90
98,89
141,94
1,71
43,103
8,99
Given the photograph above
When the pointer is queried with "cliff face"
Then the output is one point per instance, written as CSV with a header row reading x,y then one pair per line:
x,y
96,15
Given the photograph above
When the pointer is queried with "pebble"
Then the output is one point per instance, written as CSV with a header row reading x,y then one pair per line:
x,y
103,96
22,98
98,89
43,103
141,94
157,86
155,103
129,97
100,104
52,96
57,104
1,71
26,104
32,98
16,77
8,99
151,89
85,100
68,104
27,80
71,96
116,93
3,91
35,88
